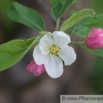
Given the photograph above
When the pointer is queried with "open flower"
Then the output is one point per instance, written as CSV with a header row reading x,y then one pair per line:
x,y
95,39
35,69
51,52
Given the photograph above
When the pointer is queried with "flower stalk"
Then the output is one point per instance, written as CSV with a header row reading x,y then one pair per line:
x,y
57,24
78,43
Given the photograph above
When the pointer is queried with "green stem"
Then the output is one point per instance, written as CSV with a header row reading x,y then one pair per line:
x,y
57,24
77,43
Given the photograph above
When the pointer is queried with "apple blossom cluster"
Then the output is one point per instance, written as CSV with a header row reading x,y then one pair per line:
x,y
52,51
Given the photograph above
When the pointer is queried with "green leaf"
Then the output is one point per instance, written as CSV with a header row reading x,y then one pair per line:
x,y
76,18
34,42
86,25
54,2
60,6
13,51
98,52
25,15
72,12
8,25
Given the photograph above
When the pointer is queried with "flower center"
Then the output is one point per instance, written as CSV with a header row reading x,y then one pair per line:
x,y
54,50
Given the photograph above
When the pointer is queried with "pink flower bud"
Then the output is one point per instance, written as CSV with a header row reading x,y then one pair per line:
x,y
95,39
35,69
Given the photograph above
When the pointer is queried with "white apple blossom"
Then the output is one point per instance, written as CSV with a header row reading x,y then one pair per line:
x,y
52,51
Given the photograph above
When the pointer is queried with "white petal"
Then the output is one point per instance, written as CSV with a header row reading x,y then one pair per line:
x,y
68,55
54,67
40,58
61,39
45,41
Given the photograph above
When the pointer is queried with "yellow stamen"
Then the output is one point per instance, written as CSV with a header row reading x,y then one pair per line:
x,y
52,55
58,49
47,50
54,50
51,44
54,43
46,46
58,53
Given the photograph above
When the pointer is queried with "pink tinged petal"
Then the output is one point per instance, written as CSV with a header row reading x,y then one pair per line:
x,y
35,69
95,39
68,55
95,42
40,58
40,69
95,32
31,66
61,39
54,67
44,43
